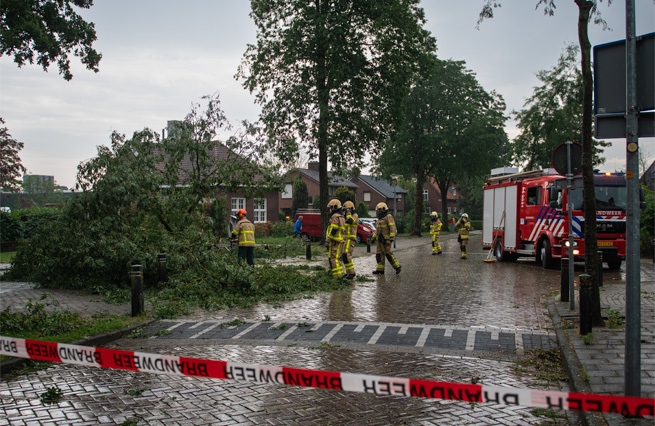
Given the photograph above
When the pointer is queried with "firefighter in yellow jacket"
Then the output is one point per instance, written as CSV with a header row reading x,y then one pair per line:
x,y
385,233
463,226
335,237
435,228
350,239
245,232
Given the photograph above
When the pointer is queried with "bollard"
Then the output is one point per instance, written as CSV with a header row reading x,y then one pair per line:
x,y
136,276
585,304
163,272
600,268
308,252
368,246
564,280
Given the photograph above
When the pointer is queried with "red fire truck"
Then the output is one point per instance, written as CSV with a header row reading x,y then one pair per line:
x,y
525,215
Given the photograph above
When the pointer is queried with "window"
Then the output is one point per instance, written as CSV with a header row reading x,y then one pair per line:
x,y
259,210
449,212
367,196
288,190
238,203
425,195
534,196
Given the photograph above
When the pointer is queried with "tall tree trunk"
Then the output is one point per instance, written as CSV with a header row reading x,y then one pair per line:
x,y
418,204
590,231
323,97
443,188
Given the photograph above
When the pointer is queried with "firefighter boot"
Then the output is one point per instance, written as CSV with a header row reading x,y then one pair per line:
x,y
463,249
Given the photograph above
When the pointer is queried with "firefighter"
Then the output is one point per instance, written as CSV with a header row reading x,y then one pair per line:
x,y
435,227
463,226
334,236
385,233
352,220
245,232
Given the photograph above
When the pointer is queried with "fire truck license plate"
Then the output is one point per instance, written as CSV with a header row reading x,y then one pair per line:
x,y
605,244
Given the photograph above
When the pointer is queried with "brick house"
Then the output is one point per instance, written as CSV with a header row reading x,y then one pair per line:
x,y
259,210
311,179
648,178
371,191
432,198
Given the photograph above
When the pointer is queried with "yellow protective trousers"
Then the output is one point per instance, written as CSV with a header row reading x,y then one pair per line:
x,y
384,251
347,257
335,252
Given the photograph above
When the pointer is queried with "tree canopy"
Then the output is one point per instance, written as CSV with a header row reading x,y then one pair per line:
x,y
331,75
453,128
47,31
11,166
552,115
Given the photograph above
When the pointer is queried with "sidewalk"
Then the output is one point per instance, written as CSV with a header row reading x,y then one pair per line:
x,y
599,367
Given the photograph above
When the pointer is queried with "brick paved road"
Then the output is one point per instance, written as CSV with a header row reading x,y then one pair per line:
x,y
473,320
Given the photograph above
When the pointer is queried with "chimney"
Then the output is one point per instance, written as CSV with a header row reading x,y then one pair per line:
x,y
313,165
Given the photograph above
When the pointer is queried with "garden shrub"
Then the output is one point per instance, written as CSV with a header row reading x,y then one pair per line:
x,y
11,228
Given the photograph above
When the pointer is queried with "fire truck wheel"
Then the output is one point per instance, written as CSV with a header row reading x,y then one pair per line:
x,y
499,254
546,255
614,264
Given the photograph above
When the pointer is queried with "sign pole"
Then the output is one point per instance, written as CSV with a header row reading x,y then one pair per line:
x,y
632,376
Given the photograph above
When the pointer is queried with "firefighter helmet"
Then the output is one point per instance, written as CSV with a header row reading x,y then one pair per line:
x,y
465,216
381,207
434,215
334,204
241,213
349,205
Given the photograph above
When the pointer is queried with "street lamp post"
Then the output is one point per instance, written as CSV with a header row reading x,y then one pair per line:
x,y
395,183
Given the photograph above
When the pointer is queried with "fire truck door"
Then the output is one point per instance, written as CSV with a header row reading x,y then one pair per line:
x,y
535,211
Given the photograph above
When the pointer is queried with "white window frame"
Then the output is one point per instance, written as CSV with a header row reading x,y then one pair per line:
x,y
426,195
449,210
237,203
259,210
367,196
287,192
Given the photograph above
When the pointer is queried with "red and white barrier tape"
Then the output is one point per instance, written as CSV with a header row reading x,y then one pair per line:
x,y
378,385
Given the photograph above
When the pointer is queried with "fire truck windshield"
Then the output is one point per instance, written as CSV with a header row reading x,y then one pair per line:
x,y
607,198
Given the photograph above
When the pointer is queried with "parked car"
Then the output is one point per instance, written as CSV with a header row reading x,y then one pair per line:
x,y
312,230
368,221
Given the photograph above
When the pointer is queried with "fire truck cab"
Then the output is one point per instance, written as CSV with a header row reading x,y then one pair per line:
x,y
525,214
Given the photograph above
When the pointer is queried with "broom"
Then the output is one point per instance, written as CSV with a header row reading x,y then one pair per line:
x,y
490,258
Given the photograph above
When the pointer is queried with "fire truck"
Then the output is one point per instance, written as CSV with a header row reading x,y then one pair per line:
x,y
525,214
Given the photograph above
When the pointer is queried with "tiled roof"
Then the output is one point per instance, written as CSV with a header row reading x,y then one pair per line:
x,y
382,186
332,180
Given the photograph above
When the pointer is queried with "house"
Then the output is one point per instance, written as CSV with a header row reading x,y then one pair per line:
x,y
432,198
371,191
648,178
259,210
311,179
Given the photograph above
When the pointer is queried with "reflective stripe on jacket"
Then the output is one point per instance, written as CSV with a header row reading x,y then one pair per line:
x,y
245,230
435,227
464,228
386,227
351,228
336,229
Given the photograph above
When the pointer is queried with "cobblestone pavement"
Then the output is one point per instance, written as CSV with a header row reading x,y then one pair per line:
x,y
603,361
441,319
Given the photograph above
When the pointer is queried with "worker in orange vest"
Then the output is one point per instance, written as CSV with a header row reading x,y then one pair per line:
x,y
245,232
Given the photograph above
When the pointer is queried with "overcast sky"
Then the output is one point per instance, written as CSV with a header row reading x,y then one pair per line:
x,y
159,56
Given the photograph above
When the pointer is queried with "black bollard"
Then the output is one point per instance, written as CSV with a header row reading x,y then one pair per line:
x,y
308,252
136,276
564,280
163,272
585,304
368,246
600,268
